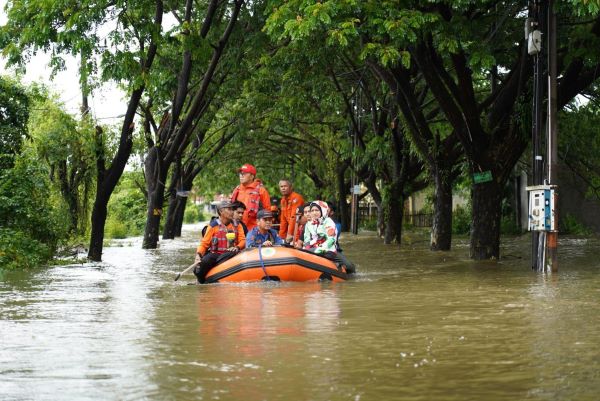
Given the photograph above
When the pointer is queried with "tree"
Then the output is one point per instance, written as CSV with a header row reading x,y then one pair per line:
x,y
193,94
474,62
67,146
14,114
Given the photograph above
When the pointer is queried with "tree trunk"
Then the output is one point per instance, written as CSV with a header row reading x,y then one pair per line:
x,y
97,236
485,221
394,208
343,209
155,185
441,231
170,219
179,213
70,196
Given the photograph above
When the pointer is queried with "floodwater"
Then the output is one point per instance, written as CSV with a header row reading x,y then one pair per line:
x,y
413,325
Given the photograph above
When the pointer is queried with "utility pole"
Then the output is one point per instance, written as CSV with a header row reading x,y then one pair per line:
x,y
552,151
543,201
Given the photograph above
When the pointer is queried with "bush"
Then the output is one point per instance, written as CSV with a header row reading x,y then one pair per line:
x,y
115,228
368,224
193,214
461,220
508,226
18,250
570,225
126,209
30,215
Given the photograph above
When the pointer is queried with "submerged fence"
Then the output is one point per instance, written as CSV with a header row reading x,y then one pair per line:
x,y
414,219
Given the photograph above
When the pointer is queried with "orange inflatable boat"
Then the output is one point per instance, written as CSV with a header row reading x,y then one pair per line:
x,y
278,263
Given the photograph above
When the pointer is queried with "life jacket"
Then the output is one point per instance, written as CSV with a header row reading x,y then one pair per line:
x,y
253,203
219,243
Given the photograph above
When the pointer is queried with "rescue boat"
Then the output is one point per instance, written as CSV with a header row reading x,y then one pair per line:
x,y
278,263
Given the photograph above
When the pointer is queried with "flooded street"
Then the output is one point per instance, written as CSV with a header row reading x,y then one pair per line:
x,y
413,325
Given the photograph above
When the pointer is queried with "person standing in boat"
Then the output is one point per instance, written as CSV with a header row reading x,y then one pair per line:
x,y
320,232
290,201
263,234
221,242
252,193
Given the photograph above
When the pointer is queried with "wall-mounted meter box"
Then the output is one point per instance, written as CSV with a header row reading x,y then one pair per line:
x,y
543,200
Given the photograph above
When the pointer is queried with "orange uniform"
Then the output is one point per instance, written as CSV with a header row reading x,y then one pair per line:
x,y
253,196
213,232
287,216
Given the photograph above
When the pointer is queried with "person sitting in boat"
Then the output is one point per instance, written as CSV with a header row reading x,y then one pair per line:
x,y
340,257
263,234
304,213
220,243
320,233
238,212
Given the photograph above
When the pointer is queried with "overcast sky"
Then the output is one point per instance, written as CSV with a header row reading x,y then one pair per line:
x,y
106,103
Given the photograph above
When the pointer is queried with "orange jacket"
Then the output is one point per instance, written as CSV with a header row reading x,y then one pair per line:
x,y
206,242
287,215
252,195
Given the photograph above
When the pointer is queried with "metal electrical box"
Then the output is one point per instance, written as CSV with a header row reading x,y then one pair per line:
x,y
542,208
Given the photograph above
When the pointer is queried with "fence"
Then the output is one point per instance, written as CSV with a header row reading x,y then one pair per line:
x,y
414,219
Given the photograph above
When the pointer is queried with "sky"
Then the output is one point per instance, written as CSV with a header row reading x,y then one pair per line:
x,y
107,102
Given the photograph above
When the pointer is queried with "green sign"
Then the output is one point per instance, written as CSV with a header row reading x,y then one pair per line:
x,y
484,176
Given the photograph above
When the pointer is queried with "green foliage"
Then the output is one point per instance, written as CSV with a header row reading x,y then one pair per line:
x,y
19,251
579,144
193,213
368,224
127,208
14,113
569,224
67,147
30,215
461,220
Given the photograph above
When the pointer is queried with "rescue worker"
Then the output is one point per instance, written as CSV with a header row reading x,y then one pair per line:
x,y
263,234
222,241
290,201
251,193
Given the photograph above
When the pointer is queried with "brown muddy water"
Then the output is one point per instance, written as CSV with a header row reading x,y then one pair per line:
x,y
413,325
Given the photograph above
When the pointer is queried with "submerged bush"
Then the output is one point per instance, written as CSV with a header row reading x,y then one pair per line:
x,y
570,225
31,215
126,209
193,214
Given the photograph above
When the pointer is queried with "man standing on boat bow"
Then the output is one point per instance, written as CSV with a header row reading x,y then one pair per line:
x,y
222,241
251,193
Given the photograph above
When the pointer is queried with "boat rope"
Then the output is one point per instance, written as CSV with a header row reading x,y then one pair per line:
x,y
262,263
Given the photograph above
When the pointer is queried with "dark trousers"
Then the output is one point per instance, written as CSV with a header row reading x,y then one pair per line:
x,y
209,261
340,260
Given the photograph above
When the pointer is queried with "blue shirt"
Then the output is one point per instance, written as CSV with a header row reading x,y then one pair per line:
x,y
255,238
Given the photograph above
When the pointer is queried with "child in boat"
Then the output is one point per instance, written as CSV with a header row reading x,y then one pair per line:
x,y
320,232
221,242
263,234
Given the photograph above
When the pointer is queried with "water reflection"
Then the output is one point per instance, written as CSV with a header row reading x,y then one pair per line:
x,y
413,325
